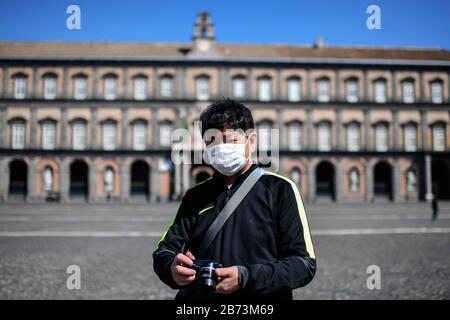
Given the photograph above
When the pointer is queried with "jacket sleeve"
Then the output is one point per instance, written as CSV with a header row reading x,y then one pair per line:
x,y
173,242
296,266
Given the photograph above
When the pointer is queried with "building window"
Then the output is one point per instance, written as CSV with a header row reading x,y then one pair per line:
x,y
264,135
410,137
139,136
353,180
203,88
165,132
47,179
79,135
352,90
110,88
381,137
18,135
108,180
408,91
438,136
380,91
324,136
49,87
48,135
80,88
295,136
294,93
140,88
264,89
353,137
239,87
166,86
109,136
323,90
20,87
436,92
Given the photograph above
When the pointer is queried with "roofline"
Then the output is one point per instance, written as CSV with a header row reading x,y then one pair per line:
x,y
236,59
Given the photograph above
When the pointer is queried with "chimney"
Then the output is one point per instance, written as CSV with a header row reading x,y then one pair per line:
x,y
319,42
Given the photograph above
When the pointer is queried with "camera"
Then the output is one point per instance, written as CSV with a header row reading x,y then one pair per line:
x,y
205,278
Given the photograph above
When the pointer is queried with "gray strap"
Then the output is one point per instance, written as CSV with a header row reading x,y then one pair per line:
x,y
228,209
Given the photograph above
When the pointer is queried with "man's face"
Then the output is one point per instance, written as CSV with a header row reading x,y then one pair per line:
x,y
233,136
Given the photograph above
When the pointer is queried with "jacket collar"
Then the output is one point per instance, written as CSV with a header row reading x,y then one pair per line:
x,y
221,181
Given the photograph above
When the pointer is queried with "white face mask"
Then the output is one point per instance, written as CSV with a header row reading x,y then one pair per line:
x,y
227,158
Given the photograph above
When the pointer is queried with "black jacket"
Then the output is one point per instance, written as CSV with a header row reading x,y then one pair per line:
x,y
267,237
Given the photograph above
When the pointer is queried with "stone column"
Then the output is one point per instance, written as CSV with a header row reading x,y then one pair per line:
x,y
281,128
155,128
338,144
95,83
422,88
394,86
35,93
124,127
155,93
338,94
308,84
93,180
155,183
31,181
124,180
64,180
396,180
428,183
33,128
250,94
366,85
3,128
424,129
311,181
5,81
126,94
338,182
369,181
63,143
309,129
4,180
279,85
395,129
181,77
94,125
65,93
367,129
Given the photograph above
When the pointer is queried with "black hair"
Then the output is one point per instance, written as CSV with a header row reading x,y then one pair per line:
x,y
226,114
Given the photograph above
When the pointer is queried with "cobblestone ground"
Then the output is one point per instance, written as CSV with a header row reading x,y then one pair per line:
x,y
113,244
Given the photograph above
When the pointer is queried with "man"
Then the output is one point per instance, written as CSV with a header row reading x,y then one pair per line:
x,y
265,246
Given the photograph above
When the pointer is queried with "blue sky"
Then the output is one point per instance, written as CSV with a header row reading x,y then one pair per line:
x,y
415,23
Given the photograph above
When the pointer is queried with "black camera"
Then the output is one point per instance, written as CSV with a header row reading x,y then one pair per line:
x,y
205,277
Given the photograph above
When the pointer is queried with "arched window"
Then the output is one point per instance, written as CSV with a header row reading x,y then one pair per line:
x,y
324,136
165,132
380,90
108,180
48,134
238,86
295,135
436,91
264,135
50,86
166,86
110,86
20,86
408,93
353,136
323,89
79,134
294,89
264,88
438,136
18,127
47,179
139,135
381,136
80,87
351,88
140,87
410,137
109,135
203,87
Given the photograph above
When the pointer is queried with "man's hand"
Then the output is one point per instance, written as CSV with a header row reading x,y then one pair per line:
x,y
228,280
181,274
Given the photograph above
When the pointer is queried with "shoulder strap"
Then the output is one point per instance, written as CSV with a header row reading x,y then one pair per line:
x,y
229,208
